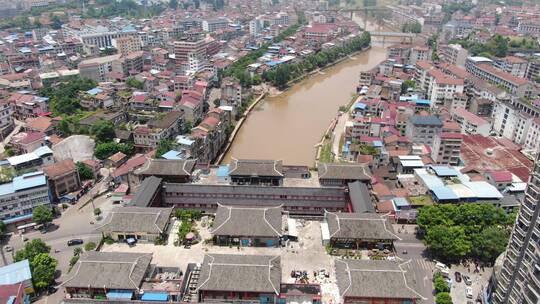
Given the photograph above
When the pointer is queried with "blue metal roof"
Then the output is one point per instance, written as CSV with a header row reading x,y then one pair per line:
x,y
444,171
155,296
483,190
223,171
377,143
29,180
119,294
401,202
94,91
15,273
431,181
360,105
172,155
17,219
444,193
423,101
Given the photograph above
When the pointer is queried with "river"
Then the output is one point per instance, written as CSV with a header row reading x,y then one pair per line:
x,y
288,126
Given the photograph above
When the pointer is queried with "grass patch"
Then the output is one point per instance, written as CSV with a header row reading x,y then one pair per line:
x,y
421,200
326,153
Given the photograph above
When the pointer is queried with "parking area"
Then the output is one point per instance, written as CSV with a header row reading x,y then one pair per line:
x,y
479,280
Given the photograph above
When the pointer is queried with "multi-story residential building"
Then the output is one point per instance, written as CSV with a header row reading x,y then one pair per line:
x,y
231,92
533,68
255,27
456,30
126,45
211,133
19,197
521,87
529,28
26,105
423,129
194,48
6,120
212,25
471,123
97,68
518,279
513,65
191,105
98,36
447,148
148,137
439,87
532,139
63,178
512,119
14,82
453,54
418,53
131,64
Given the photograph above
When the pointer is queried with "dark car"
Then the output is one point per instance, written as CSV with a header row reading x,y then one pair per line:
x,y
458,276
75,242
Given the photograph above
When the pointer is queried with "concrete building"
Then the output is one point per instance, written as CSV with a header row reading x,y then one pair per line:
x,y
521,87
423,129
17,273
247,226
471,123
126,45
255,27
453,54
212,25
97,68
63,178
231,93
513,65
143,224
149,136
6,119
446,148
19,197
517,281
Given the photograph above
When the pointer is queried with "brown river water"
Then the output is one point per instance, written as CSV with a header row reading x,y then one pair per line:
x,y
288,126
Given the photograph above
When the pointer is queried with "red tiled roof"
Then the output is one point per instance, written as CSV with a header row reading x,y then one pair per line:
x,y
59,168
470,117
501,176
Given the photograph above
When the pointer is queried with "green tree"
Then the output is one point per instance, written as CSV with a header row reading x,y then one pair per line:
x,y
104,150
85,173
42,215
450,243
134,83
2,227
31,250
43,267
443,298
103,130
164,146
490,243
406,85
412,27
97,212
440,284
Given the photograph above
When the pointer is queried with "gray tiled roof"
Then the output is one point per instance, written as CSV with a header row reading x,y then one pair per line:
x,y
146,191
249,273
245,221
112,270
430,120
360,198
248,167
373,279
344,171
137,219
171,167
366,226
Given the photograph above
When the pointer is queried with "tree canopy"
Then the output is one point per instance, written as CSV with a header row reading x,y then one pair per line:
x,y
103,130
104,150
412,27
454,232
42,215
63,96
43,267
85,173
164,146
31,250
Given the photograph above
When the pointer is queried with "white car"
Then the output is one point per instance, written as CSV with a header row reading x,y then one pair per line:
x,y
468,292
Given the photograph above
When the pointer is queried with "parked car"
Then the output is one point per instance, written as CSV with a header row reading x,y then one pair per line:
x,y
468,292
8,248
467,280
458,276
449,282
75,242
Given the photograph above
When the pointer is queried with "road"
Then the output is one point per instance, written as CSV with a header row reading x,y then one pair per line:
x,y
421,268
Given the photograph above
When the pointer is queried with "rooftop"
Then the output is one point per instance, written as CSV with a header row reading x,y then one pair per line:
x,y
60,168
344,171
248,167
244,221
243,273
23,182
366,226
167,167
137,219
15,273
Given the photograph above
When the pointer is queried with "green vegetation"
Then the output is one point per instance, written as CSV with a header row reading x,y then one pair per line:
x,y
164,146
412,27
42,265
84,172
440,284
367,150
187,215
455,232
326,154
89,246
421,200
97,212
184,229
63,96
42,215
281,75
496,46
104,150
103,131
134,83
443,298
125,8
2,227
406,85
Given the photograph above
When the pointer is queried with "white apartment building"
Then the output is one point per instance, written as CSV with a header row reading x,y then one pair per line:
x,y
471,123
19,197
453,54
513,119
521,87
213,25
97,68
513,65
255,27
